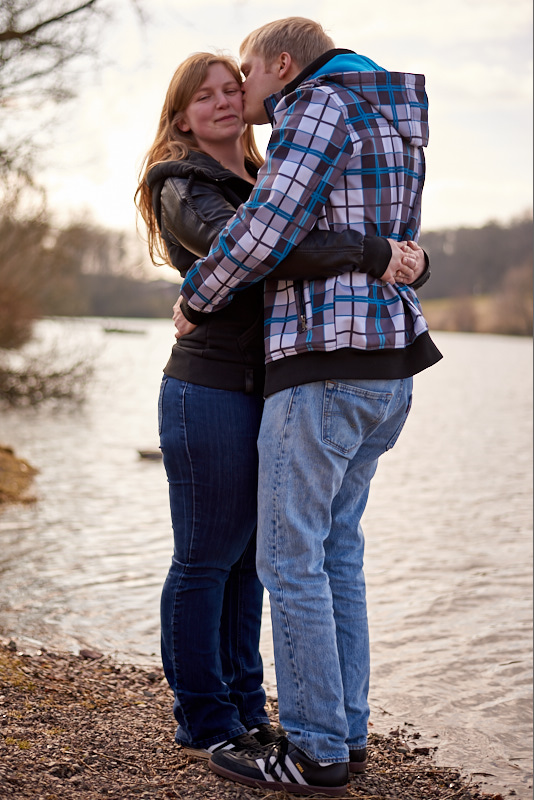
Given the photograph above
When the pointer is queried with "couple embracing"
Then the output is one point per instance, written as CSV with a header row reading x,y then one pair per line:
x,y
298,332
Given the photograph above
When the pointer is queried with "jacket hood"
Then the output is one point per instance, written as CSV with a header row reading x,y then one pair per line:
x,y
196,164
397,96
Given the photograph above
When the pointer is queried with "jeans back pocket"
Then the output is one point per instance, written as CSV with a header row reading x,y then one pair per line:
x,y
350,414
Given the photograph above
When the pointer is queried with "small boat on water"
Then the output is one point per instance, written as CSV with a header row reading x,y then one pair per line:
x,y
150,455
124,330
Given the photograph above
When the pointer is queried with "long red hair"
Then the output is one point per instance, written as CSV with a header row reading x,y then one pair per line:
x,y
172,144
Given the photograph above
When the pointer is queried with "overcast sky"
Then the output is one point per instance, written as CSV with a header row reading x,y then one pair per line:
x,y
476,55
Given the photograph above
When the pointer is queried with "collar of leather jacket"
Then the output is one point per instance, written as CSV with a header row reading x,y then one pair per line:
x,y
198,164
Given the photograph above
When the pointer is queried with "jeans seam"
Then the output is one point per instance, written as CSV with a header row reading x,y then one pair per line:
x,y
164,382
176,666
276,521
240,620
398,430
193,484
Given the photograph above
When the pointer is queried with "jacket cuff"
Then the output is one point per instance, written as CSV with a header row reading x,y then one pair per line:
x,y
191,314
376,256
425,275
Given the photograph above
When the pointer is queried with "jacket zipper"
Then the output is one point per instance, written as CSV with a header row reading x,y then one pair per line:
x,y
302,324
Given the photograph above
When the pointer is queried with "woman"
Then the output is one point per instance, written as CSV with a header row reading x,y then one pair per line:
x,y
201,167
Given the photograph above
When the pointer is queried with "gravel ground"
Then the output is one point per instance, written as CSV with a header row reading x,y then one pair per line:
x,y
84,726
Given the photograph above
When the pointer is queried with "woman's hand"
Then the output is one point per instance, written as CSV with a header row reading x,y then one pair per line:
x,y
181,324
407,263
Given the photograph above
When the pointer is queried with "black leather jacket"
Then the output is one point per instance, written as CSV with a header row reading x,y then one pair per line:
x,y
192,200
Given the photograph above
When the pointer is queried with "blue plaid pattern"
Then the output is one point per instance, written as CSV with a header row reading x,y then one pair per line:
x,y
346,151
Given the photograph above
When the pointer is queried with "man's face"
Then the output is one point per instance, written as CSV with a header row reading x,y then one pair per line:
x,y
260,81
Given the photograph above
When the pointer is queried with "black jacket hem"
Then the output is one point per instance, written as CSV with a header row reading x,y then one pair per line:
x,y
351,363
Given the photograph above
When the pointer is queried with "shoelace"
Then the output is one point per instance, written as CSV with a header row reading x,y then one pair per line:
x,y
280,759
253,749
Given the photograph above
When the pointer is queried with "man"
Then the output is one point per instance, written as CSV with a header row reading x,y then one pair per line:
x,y
346,151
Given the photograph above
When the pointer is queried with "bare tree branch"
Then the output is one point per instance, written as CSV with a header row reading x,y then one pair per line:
x,y
44,47
8,35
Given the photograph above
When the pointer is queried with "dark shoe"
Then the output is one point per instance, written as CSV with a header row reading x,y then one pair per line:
x,y
358,760
242,742
266,734
282,766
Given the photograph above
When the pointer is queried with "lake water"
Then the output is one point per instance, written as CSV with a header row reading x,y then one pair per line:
x,y
448,528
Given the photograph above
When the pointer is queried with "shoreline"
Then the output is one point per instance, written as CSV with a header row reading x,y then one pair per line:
x,y
16,476
85,725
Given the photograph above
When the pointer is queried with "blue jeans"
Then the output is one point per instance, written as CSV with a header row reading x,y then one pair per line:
x,y
211,602
318,447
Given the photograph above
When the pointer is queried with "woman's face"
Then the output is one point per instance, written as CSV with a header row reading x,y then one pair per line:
x,y
215,113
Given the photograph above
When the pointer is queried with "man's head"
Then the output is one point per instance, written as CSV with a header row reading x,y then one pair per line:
x,y
273,55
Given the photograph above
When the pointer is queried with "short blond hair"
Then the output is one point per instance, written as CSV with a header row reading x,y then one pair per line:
x,y
304,40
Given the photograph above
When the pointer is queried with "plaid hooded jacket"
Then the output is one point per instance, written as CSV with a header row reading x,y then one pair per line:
x,y
346,152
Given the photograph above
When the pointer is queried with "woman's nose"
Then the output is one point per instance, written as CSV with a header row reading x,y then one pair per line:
x,y
222,99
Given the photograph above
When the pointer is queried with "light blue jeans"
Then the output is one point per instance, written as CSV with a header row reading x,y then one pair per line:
x,y
318,448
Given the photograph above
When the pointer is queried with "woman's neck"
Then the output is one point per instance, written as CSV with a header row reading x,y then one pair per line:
x,y
231,156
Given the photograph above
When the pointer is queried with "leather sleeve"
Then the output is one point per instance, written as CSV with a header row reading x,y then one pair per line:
x,y
326,254
425,275
194,213
322,254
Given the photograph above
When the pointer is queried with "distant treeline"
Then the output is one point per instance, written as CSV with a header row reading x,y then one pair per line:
x,y
121,296
481,279
466,262
83,270
469,262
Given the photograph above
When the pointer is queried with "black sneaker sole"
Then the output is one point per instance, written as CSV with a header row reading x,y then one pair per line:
x,y
291,788
357,767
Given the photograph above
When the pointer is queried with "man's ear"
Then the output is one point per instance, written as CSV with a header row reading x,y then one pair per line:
x,y
285,66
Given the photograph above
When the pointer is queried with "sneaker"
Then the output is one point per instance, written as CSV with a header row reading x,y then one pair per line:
x,y
358,760
282,766
242,742
266,734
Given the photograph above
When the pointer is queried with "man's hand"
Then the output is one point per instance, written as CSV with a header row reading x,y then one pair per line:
x,y
407,263
181,324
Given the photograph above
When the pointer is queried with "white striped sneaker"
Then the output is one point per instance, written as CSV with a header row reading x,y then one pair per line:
x,y
242,742
282,766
